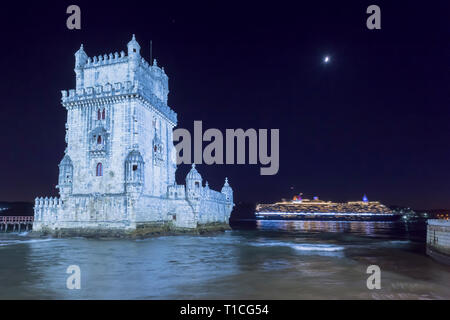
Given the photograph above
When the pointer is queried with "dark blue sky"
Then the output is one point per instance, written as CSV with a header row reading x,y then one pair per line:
x,y
374,120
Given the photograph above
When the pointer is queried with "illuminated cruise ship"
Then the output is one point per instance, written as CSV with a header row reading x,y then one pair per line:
x,y
315,209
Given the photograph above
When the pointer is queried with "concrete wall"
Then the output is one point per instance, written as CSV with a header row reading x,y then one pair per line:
x,y
438,240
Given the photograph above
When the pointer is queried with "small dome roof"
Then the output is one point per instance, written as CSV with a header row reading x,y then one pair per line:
x,y
133,43
226,187
81,50
193,174
134,156
66,161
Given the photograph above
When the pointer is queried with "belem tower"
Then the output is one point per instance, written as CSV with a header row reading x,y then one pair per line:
x,y
118,170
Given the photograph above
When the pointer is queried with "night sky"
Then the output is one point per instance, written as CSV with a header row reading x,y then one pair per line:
x,y
374,120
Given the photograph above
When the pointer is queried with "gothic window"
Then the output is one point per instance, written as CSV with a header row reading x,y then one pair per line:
x,y
98,144
103,114
99,115
134,167
99,170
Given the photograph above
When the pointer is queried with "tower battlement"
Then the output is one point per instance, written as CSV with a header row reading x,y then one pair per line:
x,y
114,58
115,67
105,59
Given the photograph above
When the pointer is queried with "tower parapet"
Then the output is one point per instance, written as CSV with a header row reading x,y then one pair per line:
x,y
110,93
46,209
114,67
176,191
105,59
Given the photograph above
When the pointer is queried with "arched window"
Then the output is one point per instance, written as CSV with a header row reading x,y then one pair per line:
x,y
134,167
99,115
103,114
99,171
99,140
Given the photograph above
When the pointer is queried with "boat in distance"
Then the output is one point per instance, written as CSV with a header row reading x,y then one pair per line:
x,y
315,209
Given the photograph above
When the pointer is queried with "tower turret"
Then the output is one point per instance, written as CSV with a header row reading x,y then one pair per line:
x,y
134,56
81,59
134,49
193,183
227,191
65,177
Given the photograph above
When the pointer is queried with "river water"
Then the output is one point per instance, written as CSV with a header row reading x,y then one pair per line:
x,y
275,260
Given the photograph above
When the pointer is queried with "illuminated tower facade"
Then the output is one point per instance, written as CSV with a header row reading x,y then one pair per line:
x,y
118,169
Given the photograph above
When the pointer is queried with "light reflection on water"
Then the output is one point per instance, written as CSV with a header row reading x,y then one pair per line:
x,y
366,228
279,260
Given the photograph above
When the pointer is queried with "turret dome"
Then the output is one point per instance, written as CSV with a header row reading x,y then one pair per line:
x,y
226,187
66,161
227,191
193,174
133,47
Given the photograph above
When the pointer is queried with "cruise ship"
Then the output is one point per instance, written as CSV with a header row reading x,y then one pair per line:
x,y
315,209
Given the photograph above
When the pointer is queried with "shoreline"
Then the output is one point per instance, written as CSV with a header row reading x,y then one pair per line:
x,y
138,233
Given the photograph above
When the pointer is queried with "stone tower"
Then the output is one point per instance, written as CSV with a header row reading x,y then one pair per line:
x,y
118,169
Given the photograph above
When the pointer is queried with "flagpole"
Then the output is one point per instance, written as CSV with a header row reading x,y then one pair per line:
x,y
151,53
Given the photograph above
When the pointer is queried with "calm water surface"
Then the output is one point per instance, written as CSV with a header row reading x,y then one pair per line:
x,y
278,260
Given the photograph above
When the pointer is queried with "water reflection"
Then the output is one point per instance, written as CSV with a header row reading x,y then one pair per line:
x,y
365,228
278,260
